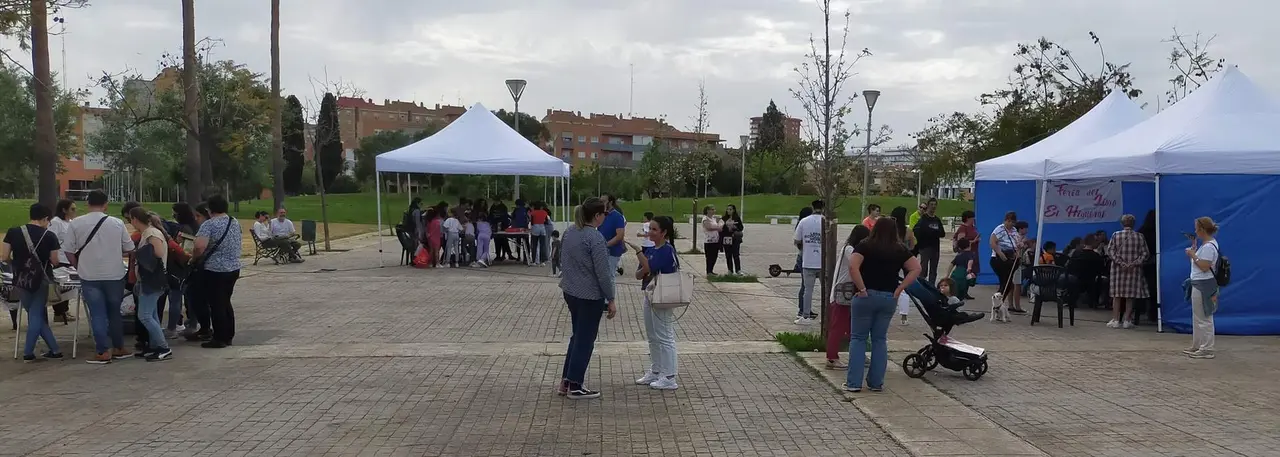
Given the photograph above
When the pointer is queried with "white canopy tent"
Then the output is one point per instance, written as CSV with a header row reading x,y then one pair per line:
x,y
477,143
1112,115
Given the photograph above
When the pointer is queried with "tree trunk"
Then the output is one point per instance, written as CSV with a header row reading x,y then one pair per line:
x,y
191,103
277,135
46,146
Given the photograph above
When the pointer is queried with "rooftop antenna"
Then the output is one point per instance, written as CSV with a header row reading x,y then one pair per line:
x,y
631,97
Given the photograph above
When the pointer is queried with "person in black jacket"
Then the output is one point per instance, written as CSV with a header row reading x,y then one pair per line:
x,y
500,219
731,239
929,233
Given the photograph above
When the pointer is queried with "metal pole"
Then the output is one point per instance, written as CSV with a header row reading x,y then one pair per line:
x,y
866,165
1159,290
919,185
377,186
517,126
742,184
1042,188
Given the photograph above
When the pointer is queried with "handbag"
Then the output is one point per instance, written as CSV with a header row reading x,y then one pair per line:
x,y
670,290
198,262
844,291
30,279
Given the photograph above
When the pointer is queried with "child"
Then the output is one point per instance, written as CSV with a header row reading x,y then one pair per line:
x,y
555,253
1050,253
947,287
645,243
468,241
520,222
546,241
484,233
434,234
537,232
453,238
963,269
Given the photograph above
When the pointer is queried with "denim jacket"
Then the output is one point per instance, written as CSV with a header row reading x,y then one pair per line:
x,y
1208,290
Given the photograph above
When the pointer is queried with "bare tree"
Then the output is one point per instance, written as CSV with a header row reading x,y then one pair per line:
x,y
312,113
277,134
823,77
1191,62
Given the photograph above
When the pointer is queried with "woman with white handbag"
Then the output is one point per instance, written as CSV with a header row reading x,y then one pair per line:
x,y
664,291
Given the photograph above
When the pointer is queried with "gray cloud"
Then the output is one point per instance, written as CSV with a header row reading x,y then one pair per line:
x,y
931,56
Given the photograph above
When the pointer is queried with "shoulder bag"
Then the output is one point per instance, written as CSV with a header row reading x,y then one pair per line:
x,y
93,232
54,296
198,262
844,291
670,290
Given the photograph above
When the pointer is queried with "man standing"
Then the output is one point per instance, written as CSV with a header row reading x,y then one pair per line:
x,y
929,233
286,236
808,239
218,247
614,230
97,244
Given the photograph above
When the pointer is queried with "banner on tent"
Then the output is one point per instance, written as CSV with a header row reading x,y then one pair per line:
x,y
1081,202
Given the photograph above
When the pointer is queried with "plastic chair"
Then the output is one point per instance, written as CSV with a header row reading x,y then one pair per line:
x,y
1048,282
407,246
309,235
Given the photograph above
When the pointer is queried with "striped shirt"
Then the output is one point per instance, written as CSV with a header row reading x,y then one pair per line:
x,y
584,264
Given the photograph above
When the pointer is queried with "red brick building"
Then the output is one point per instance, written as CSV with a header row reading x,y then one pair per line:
x,y
790,126
358,117
613,140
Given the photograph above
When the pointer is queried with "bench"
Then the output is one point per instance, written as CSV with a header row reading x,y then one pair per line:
x,y
773,219
692,218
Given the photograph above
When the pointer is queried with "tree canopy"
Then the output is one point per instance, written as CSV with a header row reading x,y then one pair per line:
x,y
295,144
17,129
329,141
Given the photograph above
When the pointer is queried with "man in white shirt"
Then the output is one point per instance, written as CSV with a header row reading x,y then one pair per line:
x,y
808,239
261,229
97,244
283,232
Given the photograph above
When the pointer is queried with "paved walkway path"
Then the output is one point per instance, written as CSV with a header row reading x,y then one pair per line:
x,y
337,356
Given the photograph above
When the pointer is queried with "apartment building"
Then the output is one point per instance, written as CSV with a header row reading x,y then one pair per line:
x,y
790,128
361,117
81,166
614,140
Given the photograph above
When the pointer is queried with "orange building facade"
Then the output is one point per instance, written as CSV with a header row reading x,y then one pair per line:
x,y
80,168
613,140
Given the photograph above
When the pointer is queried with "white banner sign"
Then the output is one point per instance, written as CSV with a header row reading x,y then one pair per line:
x,y
1082,202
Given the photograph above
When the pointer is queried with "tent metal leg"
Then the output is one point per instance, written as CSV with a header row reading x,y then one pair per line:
x,y
1159,290
377,179
1042,190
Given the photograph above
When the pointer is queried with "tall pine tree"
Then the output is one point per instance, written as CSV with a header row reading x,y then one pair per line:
x,y
295,144
772,134
329,141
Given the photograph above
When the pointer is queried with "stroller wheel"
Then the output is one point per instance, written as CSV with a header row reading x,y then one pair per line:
x,y
914,366
775,270
926,353
975,371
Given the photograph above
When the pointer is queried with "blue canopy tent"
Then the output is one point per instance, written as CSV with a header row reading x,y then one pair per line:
x,y
1215,153
1014,181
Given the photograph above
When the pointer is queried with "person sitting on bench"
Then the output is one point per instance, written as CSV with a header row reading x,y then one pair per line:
x,y
286,236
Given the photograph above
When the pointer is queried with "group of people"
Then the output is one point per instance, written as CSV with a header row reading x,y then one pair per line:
x,y
461,236
193,259
722,233
279,233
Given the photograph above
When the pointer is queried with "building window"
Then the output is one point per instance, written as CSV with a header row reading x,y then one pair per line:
x,y
615,140
582,154
582,139
593,155
595,139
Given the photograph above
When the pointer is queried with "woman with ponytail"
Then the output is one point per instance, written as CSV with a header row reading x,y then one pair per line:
x,y
659,324
151,256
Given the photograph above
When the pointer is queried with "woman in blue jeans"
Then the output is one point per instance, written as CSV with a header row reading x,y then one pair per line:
x,y
587,283
874,268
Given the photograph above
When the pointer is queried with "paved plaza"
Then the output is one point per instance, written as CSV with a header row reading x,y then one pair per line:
x,y
338,357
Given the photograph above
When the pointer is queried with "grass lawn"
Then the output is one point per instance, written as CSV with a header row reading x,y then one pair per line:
x,y
359,209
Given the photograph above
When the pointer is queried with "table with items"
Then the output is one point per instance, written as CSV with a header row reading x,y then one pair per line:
x,y
68,287
523,238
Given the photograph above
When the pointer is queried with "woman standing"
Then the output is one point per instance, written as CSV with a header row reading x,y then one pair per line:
x,y
60,225
874,268
659,324
1128,251
731,239
587,283
711,225
33,250
838,329
1004,243
1202,288
150,258
198,293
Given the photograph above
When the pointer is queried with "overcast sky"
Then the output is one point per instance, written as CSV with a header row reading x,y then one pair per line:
x,y
931,56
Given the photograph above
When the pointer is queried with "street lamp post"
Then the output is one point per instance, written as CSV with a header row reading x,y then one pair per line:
x,y
516,87
870,96
919,184
742,186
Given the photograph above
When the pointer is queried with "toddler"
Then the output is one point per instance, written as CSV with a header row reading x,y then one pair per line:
x,y
964,268
484,233
646,244
453,239
468,242
555,253
433,236
947,287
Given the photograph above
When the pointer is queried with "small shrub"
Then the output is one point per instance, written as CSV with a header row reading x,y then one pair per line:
x,y
808,342
732,278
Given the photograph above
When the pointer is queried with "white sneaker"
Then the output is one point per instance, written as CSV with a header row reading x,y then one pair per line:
x,y
1126,324
665,383
804,321
1113,324
1201,354
903,319
647,379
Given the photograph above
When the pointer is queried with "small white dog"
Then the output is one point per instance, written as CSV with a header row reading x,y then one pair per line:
x,y
999,309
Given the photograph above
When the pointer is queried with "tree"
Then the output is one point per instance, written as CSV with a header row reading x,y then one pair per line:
x,y
197,174
659,171
1191,62
294,143
371,146
695,165
772,132
277,133
530,127
17,129
329,141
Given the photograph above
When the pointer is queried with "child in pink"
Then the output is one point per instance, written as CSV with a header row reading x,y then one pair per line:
x,y
434,235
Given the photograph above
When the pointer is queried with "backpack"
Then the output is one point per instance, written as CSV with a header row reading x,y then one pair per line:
x,y
1221,268
31,272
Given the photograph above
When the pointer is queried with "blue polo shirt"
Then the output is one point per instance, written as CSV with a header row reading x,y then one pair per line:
x,y
609,228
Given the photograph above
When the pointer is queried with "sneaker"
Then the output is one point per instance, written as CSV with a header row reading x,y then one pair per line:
x,y
813,316
170,334
836,365
28,358
647,379
1201,354
120,354
866,362
1127,325
876,389
846,388
1113,324
160,355
52,355
1017,311
903,321
1190,351
100,359
213,344
804,321
180,329
582,393
141,353
665,383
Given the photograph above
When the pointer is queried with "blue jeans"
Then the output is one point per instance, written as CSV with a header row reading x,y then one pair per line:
x,y
103,299
807,278
585,317
175,307
37,319
869,319
148,300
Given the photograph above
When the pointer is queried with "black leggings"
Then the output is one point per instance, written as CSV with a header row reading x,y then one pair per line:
x,y
732,257
1004,271
713,253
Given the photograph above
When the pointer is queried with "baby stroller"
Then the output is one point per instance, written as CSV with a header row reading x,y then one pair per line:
x,y
953,355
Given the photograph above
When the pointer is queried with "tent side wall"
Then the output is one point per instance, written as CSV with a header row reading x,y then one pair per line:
x,y
1247,214
994,198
